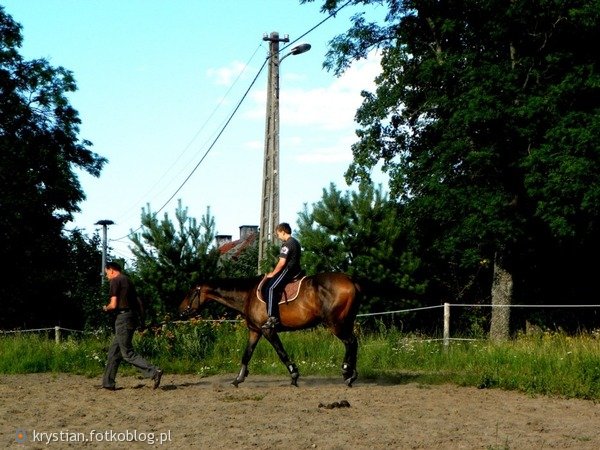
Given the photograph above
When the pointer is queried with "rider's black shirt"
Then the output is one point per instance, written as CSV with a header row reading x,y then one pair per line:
x,y
291,252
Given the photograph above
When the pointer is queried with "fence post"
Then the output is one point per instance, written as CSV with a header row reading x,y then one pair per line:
x,y
446,325
57,334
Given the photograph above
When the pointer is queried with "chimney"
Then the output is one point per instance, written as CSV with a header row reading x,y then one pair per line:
x,y
222,239
247,230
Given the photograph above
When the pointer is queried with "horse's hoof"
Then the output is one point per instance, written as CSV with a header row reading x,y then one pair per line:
x,y
295,377
352,379
241,376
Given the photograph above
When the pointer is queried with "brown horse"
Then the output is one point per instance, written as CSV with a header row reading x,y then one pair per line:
x,y
330,299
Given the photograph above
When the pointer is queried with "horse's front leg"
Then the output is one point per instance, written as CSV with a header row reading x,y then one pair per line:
x,y
253,338
273,338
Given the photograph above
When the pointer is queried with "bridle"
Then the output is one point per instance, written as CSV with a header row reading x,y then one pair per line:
x,y
194,301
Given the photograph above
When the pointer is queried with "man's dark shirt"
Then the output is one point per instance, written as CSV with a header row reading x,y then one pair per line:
x,y
122,288
291,252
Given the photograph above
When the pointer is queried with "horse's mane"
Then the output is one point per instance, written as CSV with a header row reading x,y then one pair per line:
x,y
234,283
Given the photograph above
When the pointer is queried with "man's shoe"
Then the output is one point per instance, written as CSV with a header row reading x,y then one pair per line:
x,y
157,376
109,388
271,323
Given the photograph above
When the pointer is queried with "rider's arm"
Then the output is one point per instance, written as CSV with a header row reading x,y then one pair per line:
x,y
280,265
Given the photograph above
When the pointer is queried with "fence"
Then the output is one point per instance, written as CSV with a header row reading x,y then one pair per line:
x,y
446,313
57,331
446,318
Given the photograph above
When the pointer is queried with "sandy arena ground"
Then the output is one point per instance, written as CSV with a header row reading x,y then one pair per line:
x,y
266,412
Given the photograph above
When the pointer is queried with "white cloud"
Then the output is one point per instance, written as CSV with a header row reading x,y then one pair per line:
x,y
325,155
225,76
317,123
254,145
332,107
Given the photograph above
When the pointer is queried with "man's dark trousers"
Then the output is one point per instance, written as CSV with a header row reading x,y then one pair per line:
x,y
121,349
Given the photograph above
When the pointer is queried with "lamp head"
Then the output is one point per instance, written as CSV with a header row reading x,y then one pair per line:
x,y
302,48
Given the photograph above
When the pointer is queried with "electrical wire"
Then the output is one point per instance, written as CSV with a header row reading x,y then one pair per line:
x,y
224,127
214,111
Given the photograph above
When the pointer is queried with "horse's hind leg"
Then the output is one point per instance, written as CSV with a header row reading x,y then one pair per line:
x,y
349,372
253,338
273,338
349,365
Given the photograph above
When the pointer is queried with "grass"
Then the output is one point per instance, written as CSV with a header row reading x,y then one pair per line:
x,y
553,364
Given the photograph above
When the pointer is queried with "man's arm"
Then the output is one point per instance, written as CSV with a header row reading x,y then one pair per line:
x,y
112,305
280,265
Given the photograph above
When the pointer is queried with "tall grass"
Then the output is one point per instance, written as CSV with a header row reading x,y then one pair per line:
x,y
546,363
32,353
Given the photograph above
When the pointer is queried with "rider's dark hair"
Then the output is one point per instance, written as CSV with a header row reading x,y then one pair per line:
x,y
285,227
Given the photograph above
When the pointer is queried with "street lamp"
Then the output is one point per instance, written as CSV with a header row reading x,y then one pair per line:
x,y
269,214
105,224
297,50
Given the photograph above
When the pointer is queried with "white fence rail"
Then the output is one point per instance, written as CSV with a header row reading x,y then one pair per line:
x,y
446,313
57,331
445,307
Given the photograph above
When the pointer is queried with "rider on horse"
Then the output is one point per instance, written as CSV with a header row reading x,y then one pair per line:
x,y
287,268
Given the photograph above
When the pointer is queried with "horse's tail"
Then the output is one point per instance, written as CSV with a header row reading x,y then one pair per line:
x,y
359,295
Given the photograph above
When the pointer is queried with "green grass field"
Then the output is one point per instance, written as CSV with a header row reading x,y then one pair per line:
x,y
547,363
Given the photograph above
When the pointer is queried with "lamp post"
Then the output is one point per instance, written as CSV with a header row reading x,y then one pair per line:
x,y
105,224
269,215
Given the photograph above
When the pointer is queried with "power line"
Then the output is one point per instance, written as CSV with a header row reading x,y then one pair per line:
x,y
224,127
209,148
214,111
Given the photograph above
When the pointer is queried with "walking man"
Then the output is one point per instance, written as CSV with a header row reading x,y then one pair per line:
x,y
125,307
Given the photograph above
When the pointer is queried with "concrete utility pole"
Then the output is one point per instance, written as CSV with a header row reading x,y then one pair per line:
x,y
269,214
105,224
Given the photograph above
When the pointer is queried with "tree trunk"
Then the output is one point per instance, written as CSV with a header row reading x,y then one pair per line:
x,y
502,291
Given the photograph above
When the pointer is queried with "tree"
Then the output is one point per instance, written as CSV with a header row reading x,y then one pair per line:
x,y
170,259
81,304
243,266
359,233
487,117
39,190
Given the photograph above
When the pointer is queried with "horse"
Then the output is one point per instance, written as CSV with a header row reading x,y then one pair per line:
x,y
330,299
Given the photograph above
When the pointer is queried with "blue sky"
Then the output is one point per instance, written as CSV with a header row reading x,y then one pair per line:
x,y
157,80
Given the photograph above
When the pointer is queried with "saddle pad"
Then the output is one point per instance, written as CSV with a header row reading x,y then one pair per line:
x,y
289,293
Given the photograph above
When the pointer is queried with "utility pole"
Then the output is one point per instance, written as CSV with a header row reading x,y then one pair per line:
x,y
105,224
269,214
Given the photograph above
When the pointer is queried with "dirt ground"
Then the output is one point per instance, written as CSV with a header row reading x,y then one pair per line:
x,y
265,412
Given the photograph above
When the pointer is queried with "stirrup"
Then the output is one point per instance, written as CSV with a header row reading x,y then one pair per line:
x,y
271,323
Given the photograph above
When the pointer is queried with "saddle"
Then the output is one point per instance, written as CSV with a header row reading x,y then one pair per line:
x,y
290,292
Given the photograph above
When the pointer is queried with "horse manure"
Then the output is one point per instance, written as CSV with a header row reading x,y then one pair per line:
x,y
340,404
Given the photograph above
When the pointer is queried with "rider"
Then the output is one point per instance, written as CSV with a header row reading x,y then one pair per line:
x,y
287,268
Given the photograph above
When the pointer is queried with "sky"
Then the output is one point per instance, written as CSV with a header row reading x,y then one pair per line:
x,y
159,79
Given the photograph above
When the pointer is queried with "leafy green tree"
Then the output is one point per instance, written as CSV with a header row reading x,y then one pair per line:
x,y
243,266
39,189
486,116
84,297
170,258
360,233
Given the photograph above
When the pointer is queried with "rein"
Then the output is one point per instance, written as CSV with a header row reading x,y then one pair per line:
x,y
194,300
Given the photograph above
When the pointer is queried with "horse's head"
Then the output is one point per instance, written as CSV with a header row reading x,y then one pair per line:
x,y
192,302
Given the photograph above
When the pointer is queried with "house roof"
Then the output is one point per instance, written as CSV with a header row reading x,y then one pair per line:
x,y
234,249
